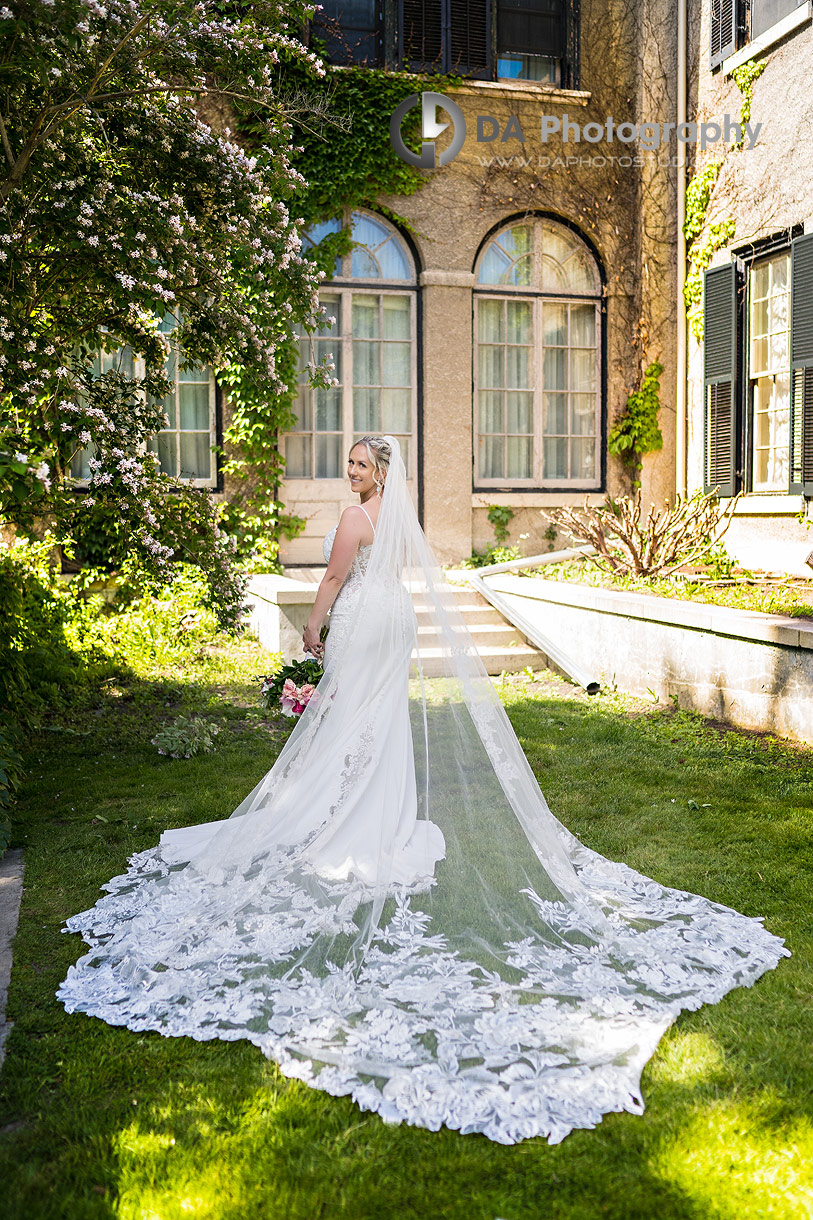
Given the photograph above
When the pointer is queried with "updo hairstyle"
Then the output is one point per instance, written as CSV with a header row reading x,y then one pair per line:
x,y
380,453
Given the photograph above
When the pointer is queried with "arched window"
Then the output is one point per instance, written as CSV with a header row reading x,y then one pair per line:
x,y
537,367
372,298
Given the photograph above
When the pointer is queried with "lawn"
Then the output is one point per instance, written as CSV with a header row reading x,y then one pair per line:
x,y
97,1121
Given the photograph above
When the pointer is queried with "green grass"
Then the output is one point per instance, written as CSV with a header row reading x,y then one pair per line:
x,y
97,1121
794,599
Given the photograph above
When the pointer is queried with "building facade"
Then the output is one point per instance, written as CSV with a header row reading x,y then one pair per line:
x,y
750,379
501,332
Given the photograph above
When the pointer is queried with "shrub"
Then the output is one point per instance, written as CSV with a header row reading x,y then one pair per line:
x,y
187,735
664,541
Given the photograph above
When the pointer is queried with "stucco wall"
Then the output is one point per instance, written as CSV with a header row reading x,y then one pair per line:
x,y
624,209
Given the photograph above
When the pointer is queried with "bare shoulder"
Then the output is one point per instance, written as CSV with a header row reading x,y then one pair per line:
x,y
354,518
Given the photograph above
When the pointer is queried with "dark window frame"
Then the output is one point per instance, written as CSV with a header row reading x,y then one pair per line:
x,y
450,16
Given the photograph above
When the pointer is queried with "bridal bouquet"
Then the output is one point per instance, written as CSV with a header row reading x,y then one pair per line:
x,y
290,688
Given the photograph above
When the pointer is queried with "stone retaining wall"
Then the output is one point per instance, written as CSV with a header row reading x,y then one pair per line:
x,y
753,670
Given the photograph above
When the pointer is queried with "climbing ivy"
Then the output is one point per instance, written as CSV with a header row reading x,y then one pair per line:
x,y
703,240
343,152
636,431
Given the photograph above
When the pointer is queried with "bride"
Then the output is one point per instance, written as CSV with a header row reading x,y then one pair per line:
x,y
393,912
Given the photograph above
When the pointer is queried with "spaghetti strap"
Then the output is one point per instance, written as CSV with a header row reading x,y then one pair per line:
x,y
369,518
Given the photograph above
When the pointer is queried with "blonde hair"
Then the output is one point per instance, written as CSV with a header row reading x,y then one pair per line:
x,y
380,453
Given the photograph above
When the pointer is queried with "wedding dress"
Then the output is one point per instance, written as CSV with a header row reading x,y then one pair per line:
x,y
394,913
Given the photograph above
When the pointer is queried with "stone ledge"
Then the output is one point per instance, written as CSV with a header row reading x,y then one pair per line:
x,y
716,620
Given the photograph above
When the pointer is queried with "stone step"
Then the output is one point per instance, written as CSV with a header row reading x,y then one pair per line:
x,y
496,660
473,616
485,635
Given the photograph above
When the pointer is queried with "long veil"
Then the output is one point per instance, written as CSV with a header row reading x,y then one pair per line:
x,y
394,913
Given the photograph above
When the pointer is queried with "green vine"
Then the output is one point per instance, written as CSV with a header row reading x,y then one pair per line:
x,y
341,131
500,517
702,240
636,431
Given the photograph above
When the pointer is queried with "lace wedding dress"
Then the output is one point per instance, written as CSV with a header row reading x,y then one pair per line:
x,y
394,913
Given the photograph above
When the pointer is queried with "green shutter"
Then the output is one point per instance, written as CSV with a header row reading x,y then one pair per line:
x,y
720,432
801,364
723,36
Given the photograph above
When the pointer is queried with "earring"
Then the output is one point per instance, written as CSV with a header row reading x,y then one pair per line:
x,y
379,485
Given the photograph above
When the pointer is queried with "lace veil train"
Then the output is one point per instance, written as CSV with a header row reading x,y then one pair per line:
x,y
394,913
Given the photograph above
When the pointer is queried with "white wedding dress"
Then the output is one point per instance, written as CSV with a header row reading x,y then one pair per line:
x,y
394,913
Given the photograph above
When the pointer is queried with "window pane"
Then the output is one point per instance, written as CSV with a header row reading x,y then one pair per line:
x,y
298,457
165,448
492,417
520,413
328,456
80,462
554,368
395,364
196,456
395,317
327,410
490,318
555,458
194,405
365,363
491,457
518,329
583,458
392,260
168,405
364,266
583,414
365,317
759,280
366,413
517,371
554,323
519,457
302,410
492,367
779,267
582,369
395,413
554,413
495,267
583,325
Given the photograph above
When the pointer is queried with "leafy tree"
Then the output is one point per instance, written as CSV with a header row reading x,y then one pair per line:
x,y
126,200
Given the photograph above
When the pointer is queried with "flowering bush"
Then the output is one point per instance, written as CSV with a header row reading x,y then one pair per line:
x,y
125,201
187,735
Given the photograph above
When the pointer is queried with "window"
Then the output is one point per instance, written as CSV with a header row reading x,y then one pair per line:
x,y
535,40
760,438
754,24
350,30
184,447
769,371
531,37
537,371
372,301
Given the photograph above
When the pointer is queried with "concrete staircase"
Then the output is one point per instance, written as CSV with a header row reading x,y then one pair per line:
x,y
281,605
500,645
